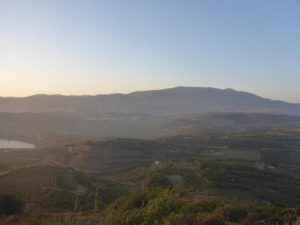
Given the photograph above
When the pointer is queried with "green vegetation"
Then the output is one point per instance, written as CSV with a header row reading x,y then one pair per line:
x,y
216,178
205,179
163,207
176,192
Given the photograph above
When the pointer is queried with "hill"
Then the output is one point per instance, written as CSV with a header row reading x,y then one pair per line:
x,y
173,101
219,179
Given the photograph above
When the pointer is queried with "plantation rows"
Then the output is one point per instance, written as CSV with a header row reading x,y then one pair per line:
x,y
28,184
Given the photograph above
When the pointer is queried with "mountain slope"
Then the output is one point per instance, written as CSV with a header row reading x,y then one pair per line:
x,y
173,101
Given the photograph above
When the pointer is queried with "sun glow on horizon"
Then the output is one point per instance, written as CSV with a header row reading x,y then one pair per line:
x,y
104,47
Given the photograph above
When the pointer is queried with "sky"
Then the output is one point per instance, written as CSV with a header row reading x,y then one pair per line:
x,y
77,47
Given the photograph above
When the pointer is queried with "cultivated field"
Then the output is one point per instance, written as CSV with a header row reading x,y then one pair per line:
x,y
29,184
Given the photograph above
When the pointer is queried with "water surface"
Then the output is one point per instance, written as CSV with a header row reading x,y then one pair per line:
x,y
13,144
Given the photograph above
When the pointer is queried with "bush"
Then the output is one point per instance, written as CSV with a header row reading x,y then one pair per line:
x,y
163,207
147,208
200,207
10,205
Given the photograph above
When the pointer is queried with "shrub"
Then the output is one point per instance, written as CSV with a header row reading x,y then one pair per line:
x,y
236,214
147,208
179,219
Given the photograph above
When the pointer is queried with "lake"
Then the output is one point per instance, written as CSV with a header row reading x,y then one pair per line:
x,y
13,144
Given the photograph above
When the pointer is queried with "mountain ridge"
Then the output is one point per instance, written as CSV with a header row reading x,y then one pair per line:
x,y
171,101
141,91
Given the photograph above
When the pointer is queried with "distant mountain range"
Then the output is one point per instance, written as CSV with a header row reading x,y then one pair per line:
x,y
173,101
51,120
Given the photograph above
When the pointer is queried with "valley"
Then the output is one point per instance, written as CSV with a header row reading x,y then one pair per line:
x,y
246,161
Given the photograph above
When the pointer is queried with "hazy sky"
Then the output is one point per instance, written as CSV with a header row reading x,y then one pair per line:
x,y
93,47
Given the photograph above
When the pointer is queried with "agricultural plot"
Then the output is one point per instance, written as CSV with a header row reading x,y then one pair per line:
x,y
29,184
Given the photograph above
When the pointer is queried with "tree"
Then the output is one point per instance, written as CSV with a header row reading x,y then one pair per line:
x,y
9,205
97,203
76,204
